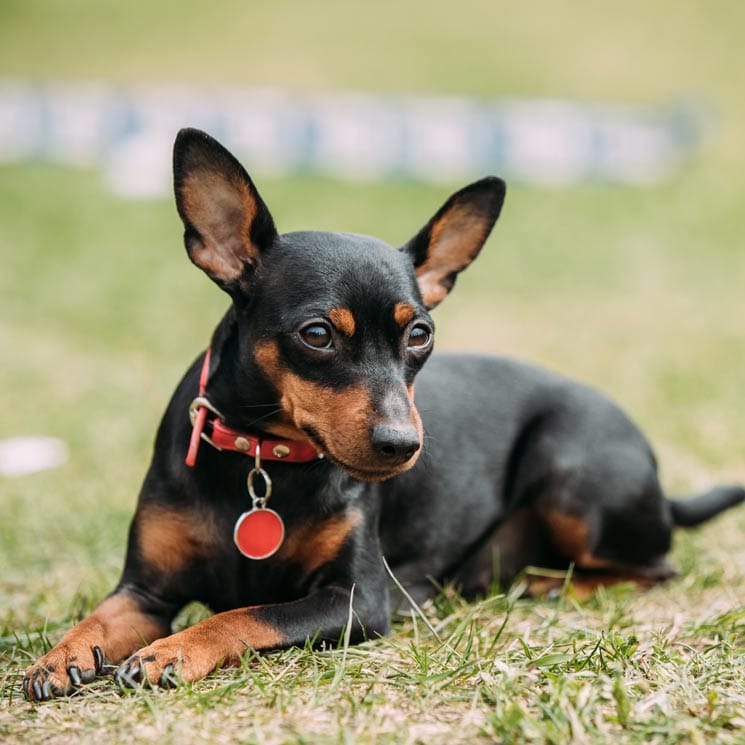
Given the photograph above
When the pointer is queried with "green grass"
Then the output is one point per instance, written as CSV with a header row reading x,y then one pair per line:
x,y
502,669
638,291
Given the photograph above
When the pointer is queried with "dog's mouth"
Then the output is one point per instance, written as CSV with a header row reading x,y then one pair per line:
x,y
373,474
360,472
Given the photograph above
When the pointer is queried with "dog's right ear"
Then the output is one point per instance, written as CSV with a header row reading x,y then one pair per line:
x,y
452,239
227,225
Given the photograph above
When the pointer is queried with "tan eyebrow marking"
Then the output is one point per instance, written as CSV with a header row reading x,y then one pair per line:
x,y
343,319
403,313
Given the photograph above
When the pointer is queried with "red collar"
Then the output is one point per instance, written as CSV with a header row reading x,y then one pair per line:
x,y
223,437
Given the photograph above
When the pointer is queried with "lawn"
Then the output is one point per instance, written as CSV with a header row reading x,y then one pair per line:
x,y
636,290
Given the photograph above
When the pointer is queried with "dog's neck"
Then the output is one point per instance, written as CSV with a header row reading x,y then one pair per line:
x,y
209,424
238,388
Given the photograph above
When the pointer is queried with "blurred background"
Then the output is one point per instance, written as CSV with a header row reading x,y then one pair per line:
x,y
618,258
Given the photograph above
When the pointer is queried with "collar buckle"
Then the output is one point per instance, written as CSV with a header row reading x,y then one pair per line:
x,y
198,409
200,402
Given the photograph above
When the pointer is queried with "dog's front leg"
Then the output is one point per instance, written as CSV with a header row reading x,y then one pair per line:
x,y
222,639
118,626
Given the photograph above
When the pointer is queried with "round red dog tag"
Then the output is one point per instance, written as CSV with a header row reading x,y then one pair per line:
x,y
259,533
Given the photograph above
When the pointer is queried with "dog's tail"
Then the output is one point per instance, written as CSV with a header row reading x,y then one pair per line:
x,y
702,507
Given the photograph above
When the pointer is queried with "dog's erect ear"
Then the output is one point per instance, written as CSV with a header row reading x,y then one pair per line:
x,y
452,239
227,225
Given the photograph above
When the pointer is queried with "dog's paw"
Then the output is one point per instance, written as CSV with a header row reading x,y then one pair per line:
x,y
166,663
62,671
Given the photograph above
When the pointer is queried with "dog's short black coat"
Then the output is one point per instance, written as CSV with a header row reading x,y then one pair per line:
x,y
499,464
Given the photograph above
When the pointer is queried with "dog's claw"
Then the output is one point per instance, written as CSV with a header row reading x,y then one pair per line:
x,y
74,674
61,672
98,659
123,680
129,675
134,673
36,688
168,678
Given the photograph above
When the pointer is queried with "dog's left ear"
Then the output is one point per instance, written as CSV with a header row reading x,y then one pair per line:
x,y
452,239
227,225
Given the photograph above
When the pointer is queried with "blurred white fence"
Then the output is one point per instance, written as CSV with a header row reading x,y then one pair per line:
x,y
128,132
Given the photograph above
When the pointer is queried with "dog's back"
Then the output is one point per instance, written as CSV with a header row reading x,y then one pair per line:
x,y
523,466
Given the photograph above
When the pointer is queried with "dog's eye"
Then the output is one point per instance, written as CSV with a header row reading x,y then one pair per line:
x,y
317,335
420,337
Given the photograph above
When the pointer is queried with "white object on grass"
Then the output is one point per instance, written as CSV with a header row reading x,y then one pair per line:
x,y
20,456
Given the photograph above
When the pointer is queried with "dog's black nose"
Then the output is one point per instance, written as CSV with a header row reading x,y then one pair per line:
x,y
395,444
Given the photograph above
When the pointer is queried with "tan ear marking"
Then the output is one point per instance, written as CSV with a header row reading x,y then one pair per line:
x,y
454,236
227,224
455,241
221,211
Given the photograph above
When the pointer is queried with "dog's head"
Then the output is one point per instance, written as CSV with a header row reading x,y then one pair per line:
x,y
336,323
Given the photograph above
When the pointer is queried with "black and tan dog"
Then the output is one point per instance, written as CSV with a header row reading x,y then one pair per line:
x,y
325,465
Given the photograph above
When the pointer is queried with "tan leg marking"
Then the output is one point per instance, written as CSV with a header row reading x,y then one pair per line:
x,y
117,626
218,641
583,586
570,536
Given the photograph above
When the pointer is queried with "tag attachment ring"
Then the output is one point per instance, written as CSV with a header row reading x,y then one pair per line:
x,y
257,470
258,533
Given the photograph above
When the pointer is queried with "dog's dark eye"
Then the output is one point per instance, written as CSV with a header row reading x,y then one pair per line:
x,y
420,337
317,335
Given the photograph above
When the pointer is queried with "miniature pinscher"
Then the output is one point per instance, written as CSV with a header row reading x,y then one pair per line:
x,y
295,453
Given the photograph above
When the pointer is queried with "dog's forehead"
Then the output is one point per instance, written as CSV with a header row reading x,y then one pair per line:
x,y
347,249
341,269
